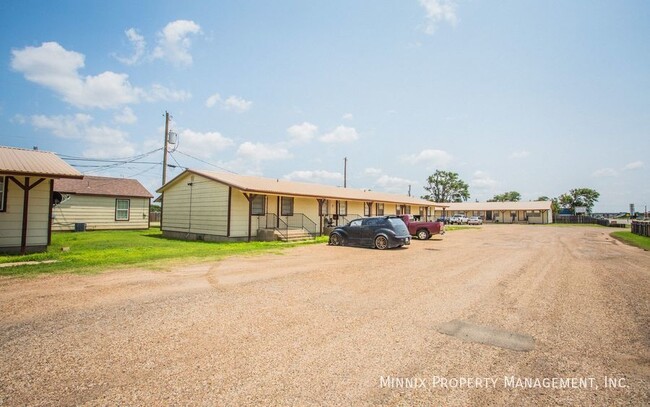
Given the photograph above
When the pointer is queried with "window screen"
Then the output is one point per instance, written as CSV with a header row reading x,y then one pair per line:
x,y
287,206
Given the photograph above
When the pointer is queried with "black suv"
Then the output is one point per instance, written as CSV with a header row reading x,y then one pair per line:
x,y
382,232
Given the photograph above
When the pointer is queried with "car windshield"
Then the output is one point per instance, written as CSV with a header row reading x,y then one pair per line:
x,y
400,227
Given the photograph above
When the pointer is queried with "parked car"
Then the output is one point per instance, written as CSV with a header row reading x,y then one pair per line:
x,y
381,232
458,220
443,219
475,220
423,230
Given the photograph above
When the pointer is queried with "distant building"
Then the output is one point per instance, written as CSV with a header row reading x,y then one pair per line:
x,y
100,203
504,212
206,205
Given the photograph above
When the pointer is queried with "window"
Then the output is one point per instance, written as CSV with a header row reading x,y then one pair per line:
x,y
342,208
324,209
380,209
258,206
287,206
122,207
366,208
355,223
3,194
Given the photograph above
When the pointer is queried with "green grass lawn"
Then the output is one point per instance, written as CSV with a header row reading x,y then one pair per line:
x,y
102,250
632,239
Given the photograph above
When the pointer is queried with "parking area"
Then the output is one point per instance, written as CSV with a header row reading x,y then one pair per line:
x,y
330,325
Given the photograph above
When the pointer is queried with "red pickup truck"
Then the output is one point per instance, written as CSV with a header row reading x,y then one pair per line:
x,y
423,230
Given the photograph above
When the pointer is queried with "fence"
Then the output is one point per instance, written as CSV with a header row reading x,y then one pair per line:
x,y
588,220
154,216
641,228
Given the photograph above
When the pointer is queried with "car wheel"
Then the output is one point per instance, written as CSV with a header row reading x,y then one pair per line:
x,y
381,242
336,240
423,234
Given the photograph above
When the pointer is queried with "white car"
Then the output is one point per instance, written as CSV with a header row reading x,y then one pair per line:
x,y
458,219
475,220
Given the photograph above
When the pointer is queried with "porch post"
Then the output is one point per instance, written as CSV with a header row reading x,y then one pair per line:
x,y
250,198
320,213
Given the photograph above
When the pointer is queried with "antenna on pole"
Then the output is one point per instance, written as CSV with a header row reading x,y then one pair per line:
x,y
164,169
345,172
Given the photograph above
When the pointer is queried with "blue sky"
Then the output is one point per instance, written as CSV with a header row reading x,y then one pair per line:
x,y
533,96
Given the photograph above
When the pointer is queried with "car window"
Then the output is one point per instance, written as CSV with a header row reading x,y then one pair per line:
x,y
355,223
372,222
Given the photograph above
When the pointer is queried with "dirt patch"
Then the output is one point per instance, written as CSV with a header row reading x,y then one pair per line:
x,y
334,325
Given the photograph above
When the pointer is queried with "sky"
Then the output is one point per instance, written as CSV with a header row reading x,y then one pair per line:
x,y
537,97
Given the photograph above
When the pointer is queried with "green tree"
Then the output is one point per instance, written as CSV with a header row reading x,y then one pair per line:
x,y
543,198
510,196
579,197
446,186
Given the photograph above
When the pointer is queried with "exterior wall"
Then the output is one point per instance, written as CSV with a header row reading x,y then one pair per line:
x,y
11,220
200,208
98,213
239,216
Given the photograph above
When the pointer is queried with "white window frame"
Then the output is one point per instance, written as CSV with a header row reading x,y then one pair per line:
x,y
118,218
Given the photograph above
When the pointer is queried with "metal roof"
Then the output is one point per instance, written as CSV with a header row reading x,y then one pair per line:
x,y
500,206
102,186
284,187
18,161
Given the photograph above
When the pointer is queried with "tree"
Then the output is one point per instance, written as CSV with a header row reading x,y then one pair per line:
x,y
579,197
446,186
543,198
511,196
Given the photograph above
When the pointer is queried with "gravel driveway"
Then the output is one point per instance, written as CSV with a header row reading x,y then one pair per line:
x,y
327,325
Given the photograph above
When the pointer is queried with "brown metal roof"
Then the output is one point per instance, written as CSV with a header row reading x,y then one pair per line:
x,y
290,188
104,186
18,161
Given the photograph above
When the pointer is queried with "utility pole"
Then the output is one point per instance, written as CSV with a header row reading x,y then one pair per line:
x,y
164,171
345,172
409,190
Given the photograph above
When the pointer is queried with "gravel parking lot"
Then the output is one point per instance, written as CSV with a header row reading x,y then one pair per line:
x,y
328,325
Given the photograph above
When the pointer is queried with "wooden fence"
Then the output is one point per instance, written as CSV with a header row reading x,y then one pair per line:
x,y
587,219
641,228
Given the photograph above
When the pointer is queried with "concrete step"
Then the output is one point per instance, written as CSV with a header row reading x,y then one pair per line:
x,y
293,235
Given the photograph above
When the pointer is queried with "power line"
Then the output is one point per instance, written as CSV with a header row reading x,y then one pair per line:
x,y
205,162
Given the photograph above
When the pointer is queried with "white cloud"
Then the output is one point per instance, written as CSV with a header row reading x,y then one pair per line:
x,y
213,100
348,116
234,103
67,127
139,45
605,172
302,132
372,171
635,165
262,152
438,11
18,119
483,181
99,141
519,154
314,176
159,92
203,145
394,184
174,42
126,116
341,134
430,157
237,104
56,68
